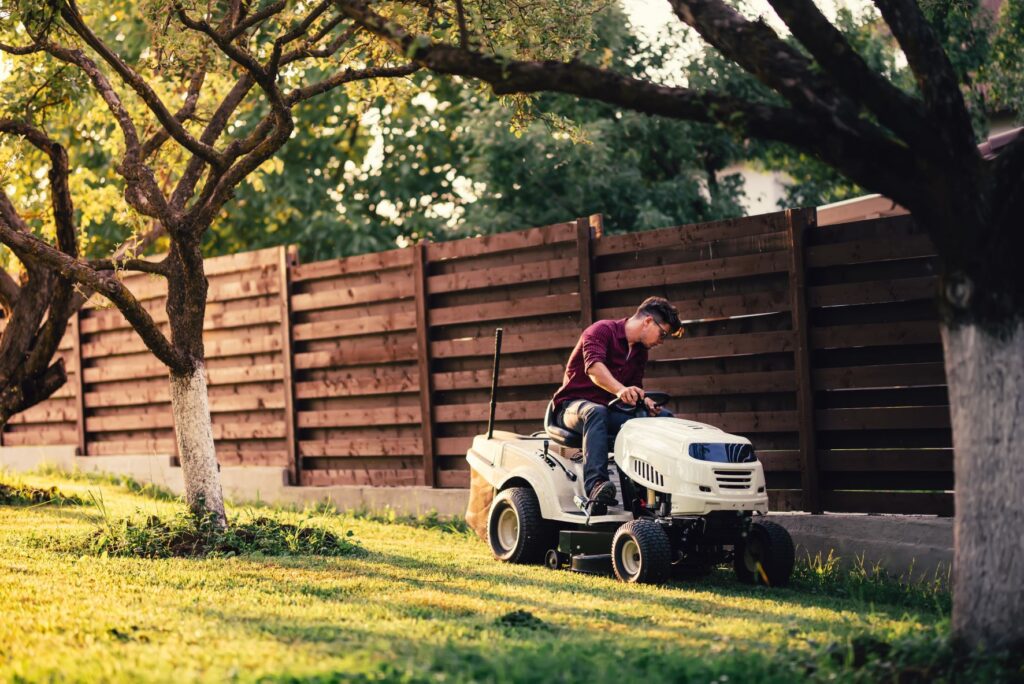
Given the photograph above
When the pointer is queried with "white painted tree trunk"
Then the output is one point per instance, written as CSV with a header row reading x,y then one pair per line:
x,y
194,432
986,396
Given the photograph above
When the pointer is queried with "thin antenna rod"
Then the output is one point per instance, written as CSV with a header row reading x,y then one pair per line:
x,y
494,382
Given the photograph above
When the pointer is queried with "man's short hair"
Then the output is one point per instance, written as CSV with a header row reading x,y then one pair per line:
x,y
662,311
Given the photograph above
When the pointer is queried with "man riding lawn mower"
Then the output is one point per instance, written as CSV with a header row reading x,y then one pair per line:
x,y
689,491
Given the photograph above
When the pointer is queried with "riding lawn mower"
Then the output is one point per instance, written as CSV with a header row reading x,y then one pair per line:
x,y
692,497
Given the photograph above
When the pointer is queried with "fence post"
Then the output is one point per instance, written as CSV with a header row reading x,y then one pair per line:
x,y
76,351
586,230
288,258
798,221
423,363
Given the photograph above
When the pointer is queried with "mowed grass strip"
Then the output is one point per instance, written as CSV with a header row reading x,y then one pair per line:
x,y
420,604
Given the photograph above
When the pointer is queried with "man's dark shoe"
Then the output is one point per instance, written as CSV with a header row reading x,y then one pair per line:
x,y
603,492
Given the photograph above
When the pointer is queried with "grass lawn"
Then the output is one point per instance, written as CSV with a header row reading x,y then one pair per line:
x,y
424,604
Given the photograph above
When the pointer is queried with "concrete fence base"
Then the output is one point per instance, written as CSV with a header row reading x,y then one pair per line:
x,y
911,547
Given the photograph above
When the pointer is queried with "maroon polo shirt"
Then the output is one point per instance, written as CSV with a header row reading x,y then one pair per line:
x,y
604,341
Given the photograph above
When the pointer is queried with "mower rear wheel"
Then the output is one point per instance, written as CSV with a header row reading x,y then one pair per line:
x,y
515,530
641,552
766,556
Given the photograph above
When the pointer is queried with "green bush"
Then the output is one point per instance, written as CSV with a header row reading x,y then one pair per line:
x,y
17,494
816,574
187,535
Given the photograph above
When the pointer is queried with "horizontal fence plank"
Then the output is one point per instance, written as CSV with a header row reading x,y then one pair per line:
x,y
218,404
398,288
364,263
887,460
888,418
150,288
692,234
502,242
54,434
453,479
724,383
352,327
507,410
508,275
505,310
865,251
350,384
508,377
453,446
217,317
511,343
351,355
779,460
848,294
45,413
693,272
875,335
747,421
386,446
728,306
880,376
716,346
242,261
260,344
405,415
369,476
132,446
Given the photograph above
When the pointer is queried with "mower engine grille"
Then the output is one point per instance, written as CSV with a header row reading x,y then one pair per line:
x,y
734,479
648,472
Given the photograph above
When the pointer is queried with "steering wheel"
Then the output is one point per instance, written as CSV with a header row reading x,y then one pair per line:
x,y
639,409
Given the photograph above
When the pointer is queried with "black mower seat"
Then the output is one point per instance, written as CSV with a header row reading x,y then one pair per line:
x,y
559,435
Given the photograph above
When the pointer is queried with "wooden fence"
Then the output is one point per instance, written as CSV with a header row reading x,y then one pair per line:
x,y
820,344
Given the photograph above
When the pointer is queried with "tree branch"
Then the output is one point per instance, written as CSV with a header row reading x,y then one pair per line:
x,y
142,192
138,265
858,149
259,17
29,248
935,75
70,14
757,48
299,30
460,12
9,292
347,76
21,49
894,108
181,116
218,122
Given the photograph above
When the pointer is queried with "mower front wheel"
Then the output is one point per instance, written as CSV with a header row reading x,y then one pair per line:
x,y
515,530
766,556
641,552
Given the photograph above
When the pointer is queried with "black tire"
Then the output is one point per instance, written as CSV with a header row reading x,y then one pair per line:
x,y
641,552
554,560
771,545
515,530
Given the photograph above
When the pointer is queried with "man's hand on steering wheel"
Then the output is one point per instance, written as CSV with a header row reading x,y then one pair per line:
x,y
630,395
652,408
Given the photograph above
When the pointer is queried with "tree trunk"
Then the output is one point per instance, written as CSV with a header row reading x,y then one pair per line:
x,y
194,432
985,372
